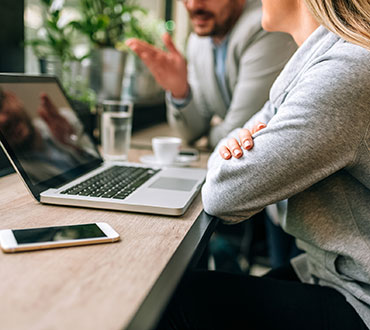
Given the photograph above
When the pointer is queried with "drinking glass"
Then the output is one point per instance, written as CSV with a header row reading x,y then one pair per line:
x,y
116,129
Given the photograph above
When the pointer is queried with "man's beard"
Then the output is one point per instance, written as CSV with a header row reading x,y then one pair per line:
x,y
218,30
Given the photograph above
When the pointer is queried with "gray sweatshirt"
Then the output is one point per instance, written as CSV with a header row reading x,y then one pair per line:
x,y
315,151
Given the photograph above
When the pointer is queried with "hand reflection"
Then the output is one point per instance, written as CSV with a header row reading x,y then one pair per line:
x,y
60,128
17,125
43,139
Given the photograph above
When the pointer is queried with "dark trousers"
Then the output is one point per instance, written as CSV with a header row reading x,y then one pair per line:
x,y
278,300
281,246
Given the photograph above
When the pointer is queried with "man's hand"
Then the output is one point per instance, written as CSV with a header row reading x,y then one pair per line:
x,y
168,68
233,147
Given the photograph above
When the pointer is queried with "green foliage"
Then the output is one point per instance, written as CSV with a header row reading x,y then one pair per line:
x,y
104,21
79,90
146,28
57,39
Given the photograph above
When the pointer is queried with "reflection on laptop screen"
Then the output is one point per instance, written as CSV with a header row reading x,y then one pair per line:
x,y
42,130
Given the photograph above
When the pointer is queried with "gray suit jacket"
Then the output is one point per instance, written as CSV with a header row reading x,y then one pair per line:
x,y
254,60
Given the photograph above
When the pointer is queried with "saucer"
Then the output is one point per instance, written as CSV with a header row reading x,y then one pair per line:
x,y
180,161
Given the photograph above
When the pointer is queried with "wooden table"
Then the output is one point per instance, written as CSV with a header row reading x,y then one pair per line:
x,y
123,285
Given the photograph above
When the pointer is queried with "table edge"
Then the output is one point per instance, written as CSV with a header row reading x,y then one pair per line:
x,y
193,244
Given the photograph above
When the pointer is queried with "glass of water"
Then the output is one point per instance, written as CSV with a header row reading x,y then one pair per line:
x,y
116,129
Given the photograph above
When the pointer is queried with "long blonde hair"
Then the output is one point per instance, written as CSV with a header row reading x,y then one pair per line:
x,y
350,19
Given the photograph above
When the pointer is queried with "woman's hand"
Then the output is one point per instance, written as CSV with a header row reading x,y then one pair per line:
x,y
233,147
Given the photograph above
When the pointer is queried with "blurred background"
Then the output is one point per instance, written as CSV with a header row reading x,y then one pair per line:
x,y
82,43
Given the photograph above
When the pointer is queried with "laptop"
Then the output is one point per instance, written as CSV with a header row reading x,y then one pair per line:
x,y
60,164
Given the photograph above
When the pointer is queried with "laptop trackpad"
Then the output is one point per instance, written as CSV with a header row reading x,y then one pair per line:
x,y
173,184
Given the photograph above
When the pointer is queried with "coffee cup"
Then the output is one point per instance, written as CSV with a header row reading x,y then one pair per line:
x,y
166,149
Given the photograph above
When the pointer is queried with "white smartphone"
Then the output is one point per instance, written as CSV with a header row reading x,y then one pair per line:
x,y
59,236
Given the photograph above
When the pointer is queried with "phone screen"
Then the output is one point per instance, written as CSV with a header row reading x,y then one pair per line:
x,y
59,233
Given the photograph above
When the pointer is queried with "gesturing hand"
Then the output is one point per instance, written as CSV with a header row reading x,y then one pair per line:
x,y
233,147
168,68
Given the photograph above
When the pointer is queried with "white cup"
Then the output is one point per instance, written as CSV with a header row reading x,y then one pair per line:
x,y
166,149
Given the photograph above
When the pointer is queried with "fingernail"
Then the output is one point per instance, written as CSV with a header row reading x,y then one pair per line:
x,y
226,154
260,126
237,152
246,144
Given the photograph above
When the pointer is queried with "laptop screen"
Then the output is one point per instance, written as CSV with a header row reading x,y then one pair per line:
x,y
41,132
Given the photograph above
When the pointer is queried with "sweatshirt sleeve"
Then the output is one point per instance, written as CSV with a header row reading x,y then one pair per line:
x,y
316,132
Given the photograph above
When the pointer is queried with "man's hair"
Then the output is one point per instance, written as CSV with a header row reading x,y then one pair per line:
x,y
350,19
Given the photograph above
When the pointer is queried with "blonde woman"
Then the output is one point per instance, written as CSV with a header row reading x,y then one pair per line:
x,y
314,151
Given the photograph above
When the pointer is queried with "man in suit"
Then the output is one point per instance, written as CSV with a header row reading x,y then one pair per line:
x,y
231,65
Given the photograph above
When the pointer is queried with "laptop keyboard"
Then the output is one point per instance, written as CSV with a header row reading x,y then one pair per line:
x,y
116,182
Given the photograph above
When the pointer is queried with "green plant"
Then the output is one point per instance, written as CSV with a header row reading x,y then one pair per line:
x,y
56,39
54,47
104,21
146,28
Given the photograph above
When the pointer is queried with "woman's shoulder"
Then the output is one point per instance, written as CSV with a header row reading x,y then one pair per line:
x,y
345,66
350,55
333,60
325,50
341,56
325,62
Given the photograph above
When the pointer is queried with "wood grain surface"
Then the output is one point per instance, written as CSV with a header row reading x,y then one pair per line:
x,y
88,287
